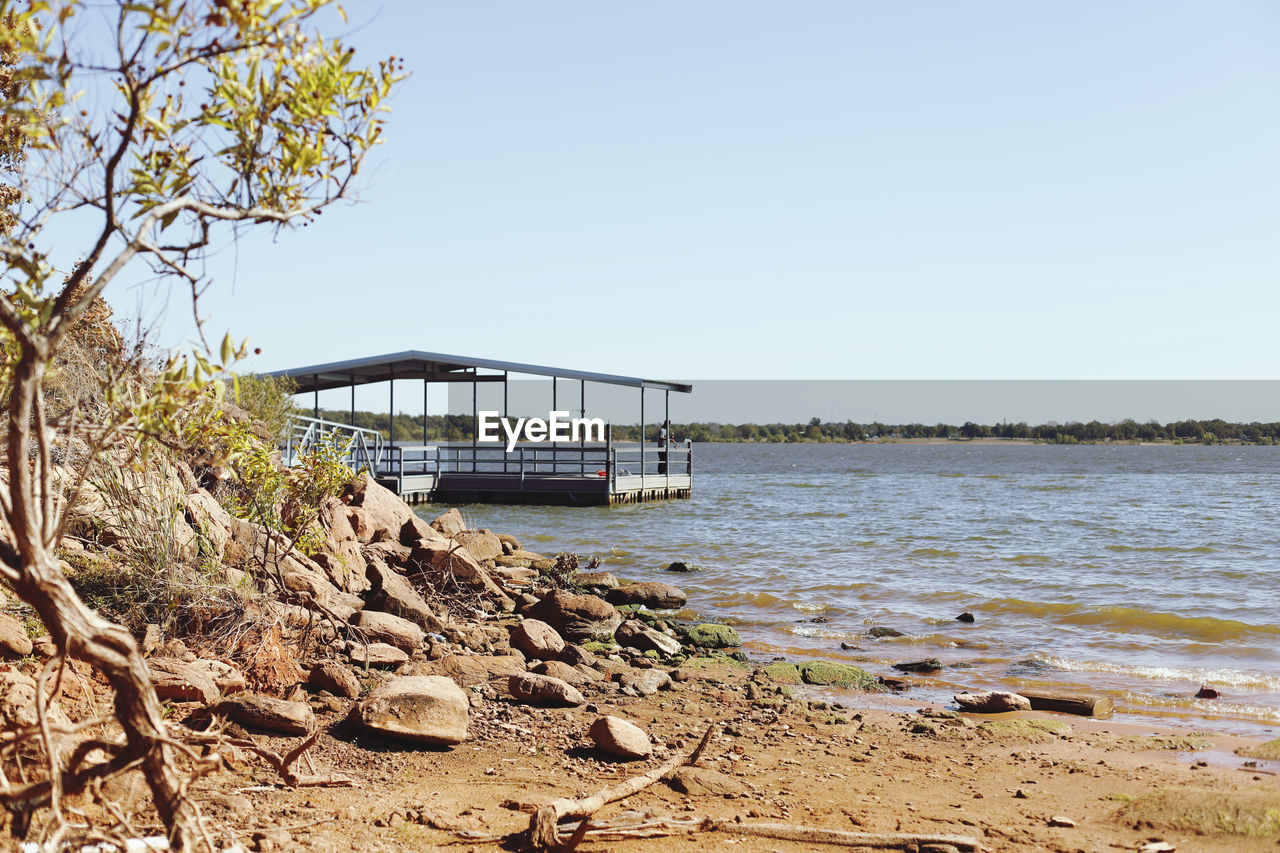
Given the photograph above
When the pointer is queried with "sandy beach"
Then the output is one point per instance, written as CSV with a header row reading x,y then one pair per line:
x,y
1007,782
1004,780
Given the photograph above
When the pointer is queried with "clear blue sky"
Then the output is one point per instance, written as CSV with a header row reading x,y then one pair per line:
x,y
737,189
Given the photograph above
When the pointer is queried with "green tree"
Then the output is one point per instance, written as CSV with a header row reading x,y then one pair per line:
x,y
157,128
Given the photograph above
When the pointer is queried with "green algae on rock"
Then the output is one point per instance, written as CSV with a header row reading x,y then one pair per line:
x,y
830,674
1031,730
710,636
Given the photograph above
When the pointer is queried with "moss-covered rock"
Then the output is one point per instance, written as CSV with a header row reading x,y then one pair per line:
x,y
830,674
1269,750
1254,813
783,672
709,636
599,648
1036,731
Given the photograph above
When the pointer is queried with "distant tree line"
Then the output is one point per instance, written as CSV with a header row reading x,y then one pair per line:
x,y
459,428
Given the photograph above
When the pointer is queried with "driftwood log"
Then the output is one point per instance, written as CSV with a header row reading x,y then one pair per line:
x,y
544,826
1080,704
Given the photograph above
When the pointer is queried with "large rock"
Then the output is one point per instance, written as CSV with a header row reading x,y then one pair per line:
x,y
378,627
14,641
537,639
577,617
334,677
416,529
606,580
210,521
619,737
543,690
177,681
449,523
273,715
482,544
644,638
567,674
384,508
466,670
417,708
391,553
644,682
712,636
992,702
655,596
392,593
18,702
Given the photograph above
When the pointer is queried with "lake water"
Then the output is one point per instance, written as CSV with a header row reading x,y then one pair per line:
x,y
1139,572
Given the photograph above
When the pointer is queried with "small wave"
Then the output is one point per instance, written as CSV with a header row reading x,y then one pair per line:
x,y
1193,675
752,599
1177,706
810,606
820,632
1029,559
1054,488
1135,619
1163,549
933,552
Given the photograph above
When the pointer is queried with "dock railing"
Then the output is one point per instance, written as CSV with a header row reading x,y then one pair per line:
x,y
363,449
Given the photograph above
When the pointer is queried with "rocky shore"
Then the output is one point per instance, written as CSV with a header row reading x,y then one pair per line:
x,y
435,685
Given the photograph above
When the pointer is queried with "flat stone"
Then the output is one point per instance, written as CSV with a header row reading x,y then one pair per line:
x,y
417,708
619,737
568,674
882,631
14,641
537,689
376,654
655,596
645,682
468,670
537,639
273,715
926,665
388,628
703,780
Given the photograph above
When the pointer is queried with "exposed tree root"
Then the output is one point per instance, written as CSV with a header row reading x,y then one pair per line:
x,y
544,826
282,765
552,826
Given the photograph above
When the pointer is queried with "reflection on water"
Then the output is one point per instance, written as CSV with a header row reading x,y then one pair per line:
x,y
1138,571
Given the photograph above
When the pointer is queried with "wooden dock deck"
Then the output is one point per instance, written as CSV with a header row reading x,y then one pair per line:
x,y
586,474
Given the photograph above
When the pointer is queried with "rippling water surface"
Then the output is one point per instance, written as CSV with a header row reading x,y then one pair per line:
x,y
1141,572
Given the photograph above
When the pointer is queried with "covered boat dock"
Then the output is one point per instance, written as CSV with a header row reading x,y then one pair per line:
x,y
580,472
